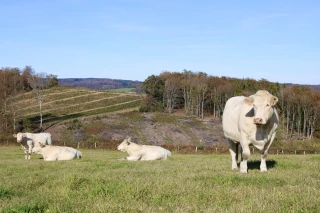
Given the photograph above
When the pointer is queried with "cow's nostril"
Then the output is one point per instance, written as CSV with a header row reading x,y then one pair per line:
x,y
257,120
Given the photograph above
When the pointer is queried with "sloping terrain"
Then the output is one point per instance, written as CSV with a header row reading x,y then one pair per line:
x,y
101,119
64,103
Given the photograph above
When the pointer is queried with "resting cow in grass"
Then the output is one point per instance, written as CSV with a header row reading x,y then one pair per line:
x,y
53,153
142,152
30,140
250,120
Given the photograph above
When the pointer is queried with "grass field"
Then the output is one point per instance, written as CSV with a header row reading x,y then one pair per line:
x,y
99,182
121,90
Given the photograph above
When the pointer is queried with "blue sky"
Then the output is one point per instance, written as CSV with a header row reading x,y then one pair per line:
x,y
133,39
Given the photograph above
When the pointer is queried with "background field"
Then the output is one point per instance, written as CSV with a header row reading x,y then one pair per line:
x,y
99,182
65,103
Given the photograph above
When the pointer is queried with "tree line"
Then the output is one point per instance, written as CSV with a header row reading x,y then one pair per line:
x,y
199,94
13,82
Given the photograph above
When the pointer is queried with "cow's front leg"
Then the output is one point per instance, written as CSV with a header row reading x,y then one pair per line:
x,y
233,152
131,158
25,154
29,152
264,154
263,165
245,157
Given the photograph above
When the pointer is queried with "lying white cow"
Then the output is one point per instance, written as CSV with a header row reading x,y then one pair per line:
x,y
143,152
53,153
250,120
29,140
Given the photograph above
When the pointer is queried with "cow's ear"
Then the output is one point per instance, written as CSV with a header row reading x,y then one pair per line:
x,y
14,135
274,100
128,143
41,145
249,101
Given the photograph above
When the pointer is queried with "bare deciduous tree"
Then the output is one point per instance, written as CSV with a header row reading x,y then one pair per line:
x,y
39,86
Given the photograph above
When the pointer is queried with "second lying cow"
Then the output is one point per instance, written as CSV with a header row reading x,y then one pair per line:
x,y
143,152
53,153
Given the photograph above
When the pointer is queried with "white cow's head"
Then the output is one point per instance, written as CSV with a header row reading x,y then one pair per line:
x,y
19,137
123,147
38,149
263,106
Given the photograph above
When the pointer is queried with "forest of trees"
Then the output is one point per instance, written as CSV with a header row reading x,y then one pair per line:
x,y
199,95
14,81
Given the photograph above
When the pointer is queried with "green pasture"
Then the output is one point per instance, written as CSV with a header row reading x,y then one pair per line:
x,y
121,90
99,182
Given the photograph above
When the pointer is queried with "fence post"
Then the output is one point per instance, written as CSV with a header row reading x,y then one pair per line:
x,y
196,148
78,145
216,149
277,152
282,151
304,152
95,145
295,152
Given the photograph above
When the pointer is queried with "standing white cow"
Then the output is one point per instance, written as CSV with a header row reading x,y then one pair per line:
x,y
143,152
53,153
250,120
29,140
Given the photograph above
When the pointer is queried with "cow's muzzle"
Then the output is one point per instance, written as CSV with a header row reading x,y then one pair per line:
x,y
258,121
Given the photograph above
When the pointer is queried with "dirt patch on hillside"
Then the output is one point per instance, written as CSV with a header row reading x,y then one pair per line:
x,y
173,131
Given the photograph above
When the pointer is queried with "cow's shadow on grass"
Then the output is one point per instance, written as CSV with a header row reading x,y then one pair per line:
x,y
256,164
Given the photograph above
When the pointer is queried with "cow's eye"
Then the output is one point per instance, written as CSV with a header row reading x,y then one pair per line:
x,y
268,105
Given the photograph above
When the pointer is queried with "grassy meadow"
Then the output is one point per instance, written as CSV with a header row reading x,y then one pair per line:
x,y
99,182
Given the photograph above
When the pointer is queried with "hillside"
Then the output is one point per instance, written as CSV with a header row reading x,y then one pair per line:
x,y
88,116
65,103
101,119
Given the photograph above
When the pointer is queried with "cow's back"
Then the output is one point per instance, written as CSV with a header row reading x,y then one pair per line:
x,y
43,138
154,153
230,117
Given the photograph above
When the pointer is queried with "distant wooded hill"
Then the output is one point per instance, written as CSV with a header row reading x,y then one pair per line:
x,y
100,83
315,87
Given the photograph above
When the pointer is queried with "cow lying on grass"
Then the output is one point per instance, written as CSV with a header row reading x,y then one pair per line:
x,y
143,152
29,140
53,153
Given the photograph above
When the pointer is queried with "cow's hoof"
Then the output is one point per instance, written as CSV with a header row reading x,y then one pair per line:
x,y
263,170
244,171
234,168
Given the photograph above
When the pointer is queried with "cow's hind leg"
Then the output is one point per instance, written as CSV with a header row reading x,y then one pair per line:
x,y
234,152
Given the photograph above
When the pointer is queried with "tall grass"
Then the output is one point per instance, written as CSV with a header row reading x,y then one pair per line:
x,y
99,182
